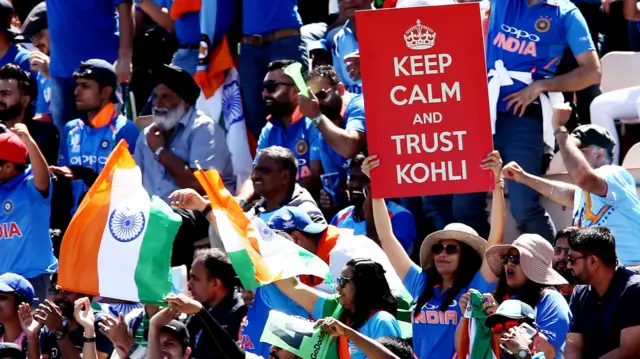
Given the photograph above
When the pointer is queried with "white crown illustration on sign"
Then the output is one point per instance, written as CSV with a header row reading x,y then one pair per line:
x,y
420,37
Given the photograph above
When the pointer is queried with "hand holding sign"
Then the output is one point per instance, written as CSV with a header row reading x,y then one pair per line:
x,y
332,326
493,162
369,164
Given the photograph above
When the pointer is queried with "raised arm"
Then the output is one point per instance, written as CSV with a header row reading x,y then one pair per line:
x,y
39,166
493,162
371,348
302,294
560,192
579,169
398,257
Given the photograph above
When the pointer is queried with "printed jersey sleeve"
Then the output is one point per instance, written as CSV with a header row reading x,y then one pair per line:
x,y
629,306
404,228
315,144
274,299
355,114
576,32
63,158
553,317
383,324
35,194
415,280
41,103
263,141
619,183
325,306
129,132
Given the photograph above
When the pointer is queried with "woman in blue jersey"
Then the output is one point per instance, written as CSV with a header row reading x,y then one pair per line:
x,y
526,273
451,263
363,291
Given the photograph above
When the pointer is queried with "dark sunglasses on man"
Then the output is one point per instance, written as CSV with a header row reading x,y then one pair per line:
x,y
272,85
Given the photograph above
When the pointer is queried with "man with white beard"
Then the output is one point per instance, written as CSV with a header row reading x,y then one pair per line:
x,y
168,149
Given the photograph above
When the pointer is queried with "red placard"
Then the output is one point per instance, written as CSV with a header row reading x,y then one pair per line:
x,y
426,100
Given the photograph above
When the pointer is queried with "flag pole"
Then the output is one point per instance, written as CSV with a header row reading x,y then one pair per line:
x,y
197,163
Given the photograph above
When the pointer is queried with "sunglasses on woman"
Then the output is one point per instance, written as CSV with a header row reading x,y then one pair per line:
x,y
514,259
449,249
505,326
272,85
343,281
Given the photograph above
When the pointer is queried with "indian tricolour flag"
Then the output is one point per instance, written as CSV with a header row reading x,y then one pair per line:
x,y
257,254
119,242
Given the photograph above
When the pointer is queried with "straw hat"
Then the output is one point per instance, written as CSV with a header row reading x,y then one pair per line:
x,y
536,257
456,231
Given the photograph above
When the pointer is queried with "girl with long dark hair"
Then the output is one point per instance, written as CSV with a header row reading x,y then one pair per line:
x,y
526,274
451,263
363,291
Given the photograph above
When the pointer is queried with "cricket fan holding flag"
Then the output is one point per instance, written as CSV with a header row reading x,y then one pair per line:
x,y
526,39
25,194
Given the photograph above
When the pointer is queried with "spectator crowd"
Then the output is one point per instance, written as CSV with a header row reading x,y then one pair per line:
x,y
215,84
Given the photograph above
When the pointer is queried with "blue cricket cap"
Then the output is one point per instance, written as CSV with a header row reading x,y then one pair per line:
x,y
290,218
101,72
15,283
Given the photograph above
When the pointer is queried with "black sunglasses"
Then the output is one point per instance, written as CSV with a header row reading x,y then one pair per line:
x,y
514,259
271,85
322,94
571,259
342,280
449,249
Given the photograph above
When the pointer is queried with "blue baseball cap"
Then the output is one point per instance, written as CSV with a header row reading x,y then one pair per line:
x,y
15,283
290,218
101,72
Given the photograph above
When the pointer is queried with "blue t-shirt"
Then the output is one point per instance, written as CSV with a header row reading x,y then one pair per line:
x,y
345,43
619,211
553,317
253,325
83,145
187,26
301,137
353,115
533,39
25,244
18,56
43,104
434,331
261,17
81,30
380,324
402,223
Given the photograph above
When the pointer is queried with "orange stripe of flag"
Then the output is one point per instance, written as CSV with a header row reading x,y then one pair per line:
x,y
78,270
222,199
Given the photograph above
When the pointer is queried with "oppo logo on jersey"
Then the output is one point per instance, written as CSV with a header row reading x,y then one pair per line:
x,y
10,230
87,160
515,40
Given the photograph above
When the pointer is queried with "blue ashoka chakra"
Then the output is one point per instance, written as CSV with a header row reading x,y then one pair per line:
x,y
126,225
265,232
232,104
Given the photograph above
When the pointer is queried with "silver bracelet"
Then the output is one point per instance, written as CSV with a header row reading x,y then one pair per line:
x,y
551,192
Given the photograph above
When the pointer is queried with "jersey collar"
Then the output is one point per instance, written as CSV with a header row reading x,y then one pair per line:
x,y
15,181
